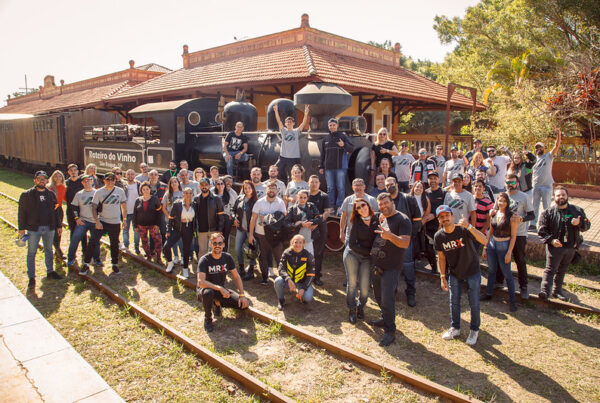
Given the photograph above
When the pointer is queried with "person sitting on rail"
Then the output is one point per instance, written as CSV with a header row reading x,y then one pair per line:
x,y
84,220
296,272
147,212
235,146
37,215
304,217
289,154
172,172
109,206
180,228
212,270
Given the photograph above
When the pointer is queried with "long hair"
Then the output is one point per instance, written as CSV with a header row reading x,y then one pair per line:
x,y
475,156
249,182
383,129
198,171
355,214
225,196
52,184
423,195
170,190
507,212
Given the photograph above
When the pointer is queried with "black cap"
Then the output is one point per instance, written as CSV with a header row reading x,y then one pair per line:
x,y
454,148
109,175
41,173
433,173
456,175
204,180
477,141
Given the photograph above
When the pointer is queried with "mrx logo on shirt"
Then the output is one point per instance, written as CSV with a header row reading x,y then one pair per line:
x,y
450,245
218,268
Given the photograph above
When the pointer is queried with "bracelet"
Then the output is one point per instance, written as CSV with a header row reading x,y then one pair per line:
x,y
241,294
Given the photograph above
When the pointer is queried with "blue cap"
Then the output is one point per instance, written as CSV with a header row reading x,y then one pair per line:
x,y
443,209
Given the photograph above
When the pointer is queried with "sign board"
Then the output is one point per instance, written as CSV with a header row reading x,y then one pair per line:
x,y
159,157
106,158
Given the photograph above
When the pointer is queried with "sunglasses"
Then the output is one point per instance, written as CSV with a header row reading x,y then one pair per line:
x,y
219,184
511,182
109,179
218,243
491,151
361,205
118,173
422,153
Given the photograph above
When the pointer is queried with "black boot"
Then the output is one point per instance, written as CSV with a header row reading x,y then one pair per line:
x,y
360,312
208,324
249,273
352,316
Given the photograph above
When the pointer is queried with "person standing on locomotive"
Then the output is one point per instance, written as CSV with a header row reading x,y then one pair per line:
x,y
402,164
334,162
289,155
235,146
172,172
382,148
321,201
57,186
209,217
74,185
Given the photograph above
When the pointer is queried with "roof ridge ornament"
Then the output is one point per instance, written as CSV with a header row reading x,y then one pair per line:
x,y
309,62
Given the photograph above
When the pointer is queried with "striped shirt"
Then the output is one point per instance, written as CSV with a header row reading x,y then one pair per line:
x,y
482,208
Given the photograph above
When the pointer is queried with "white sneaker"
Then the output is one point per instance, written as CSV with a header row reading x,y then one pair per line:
x,y
122,247
176,260
271,272
170,266
472,339
185,273
451,334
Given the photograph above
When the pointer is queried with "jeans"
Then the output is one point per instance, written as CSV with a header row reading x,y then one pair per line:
x,y
496,251
240,238
281,285
336,181
79,235
384,286
232,160
473,287
557,263
47,237
358,276
113,235
543,193
409,270
136,236
57,236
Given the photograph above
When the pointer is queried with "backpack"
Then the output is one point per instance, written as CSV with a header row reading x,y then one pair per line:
x,y
275,228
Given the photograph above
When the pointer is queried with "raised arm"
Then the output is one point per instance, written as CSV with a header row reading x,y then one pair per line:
x,y
557,143
276,110
304,121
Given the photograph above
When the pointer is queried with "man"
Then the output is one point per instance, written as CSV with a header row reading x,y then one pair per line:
x,y
273,176
321,201
358,187
453,165
476,148
132,192
296,272
143,177
212,271
73,184
542,176
214,175
235,146
38,216
289,155
334,162
421,168
460,201
402,167
560,228
208,214
480,175
85,223
159,189
109,205
500,163
379,185
183,165
260,187
170,173
459,265
436,196
407,205
186,182
268,204
393,237
439,159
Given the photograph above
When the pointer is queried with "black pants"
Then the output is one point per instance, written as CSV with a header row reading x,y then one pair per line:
x,y
519,256
227,231
384,288
208,296
113,230
319,247
57,237
284,165
429,252
266,249
186,235
557,263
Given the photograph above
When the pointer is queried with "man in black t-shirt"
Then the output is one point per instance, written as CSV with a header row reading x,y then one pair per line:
x,y
74,185
459,264
235,146
212,272
321,200
436,196
393,237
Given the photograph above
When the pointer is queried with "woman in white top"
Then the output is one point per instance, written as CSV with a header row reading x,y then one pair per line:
x,y
180,229
172,194
423,246
295,185
228,195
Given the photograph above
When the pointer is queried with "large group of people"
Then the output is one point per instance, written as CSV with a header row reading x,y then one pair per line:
x,y
449,211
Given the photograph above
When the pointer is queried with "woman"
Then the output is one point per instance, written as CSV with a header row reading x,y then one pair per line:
x,y
90,169
477,164
295,185
357,257
199,173
180,229
58,187
146,220
242,213
304,216
421,245
501,241
383,147
385,167
228,196
172,194
522,167
467,183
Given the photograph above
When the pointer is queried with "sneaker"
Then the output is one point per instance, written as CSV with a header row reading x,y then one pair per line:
x,y
524,293
115,269
54,276
176,260
387,339
264,282
271,272
451,334
138,251
71,263
360,312
472,339
122,247
410,300
352,316
218,312
170,266
185,272
513,306
208,325
543,295
84,270
485,297
31,284
249,274
318,282
98,263
376,322
281,304
559,295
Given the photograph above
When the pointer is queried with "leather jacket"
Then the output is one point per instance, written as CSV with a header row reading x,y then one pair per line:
x,y
239,206
216,217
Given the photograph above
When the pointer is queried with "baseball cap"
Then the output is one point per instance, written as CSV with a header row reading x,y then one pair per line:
x,y
109,175
454,148
86,177
477,141
204,180
456,175
41,173
442,209
539,144
433,173
403,143
333,120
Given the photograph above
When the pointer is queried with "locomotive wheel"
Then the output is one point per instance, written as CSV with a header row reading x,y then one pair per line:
x,y
333,242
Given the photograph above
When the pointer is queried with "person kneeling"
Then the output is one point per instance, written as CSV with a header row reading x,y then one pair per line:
x,y
212,270
296,272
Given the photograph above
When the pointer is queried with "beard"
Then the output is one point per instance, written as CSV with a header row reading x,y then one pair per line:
x,y
540,151
392,190
40,187
561,202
